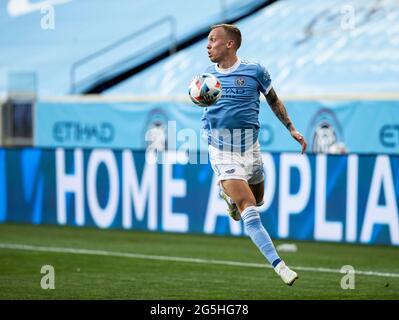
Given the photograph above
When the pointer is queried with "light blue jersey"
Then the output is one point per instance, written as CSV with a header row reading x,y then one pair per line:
x,y
238,108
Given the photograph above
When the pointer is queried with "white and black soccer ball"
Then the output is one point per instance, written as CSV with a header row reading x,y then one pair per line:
x,y
204,90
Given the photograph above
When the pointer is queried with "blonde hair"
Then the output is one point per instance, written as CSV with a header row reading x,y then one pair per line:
x,y
231,31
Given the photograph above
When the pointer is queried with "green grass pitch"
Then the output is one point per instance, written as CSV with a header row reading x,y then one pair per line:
x,y
153,270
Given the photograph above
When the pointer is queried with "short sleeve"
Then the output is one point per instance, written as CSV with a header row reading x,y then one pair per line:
x,y
265,83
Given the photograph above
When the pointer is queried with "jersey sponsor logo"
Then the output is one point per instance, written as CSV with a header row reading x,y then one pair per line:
x,y
240,81
230,92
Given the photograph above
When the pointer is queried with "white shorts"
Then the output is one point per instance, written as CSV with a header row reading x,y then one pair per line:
x,y
229,165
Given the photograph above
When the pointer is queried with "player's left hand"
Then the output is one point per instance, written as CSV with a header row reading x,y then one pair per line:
x,y
298,137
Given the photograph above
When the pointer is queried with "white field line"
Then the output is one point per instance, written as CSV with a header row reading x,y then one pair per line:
x,y
178,259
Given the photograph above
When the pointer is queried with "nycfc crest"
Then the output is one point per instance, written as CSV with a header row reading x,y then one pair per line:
x,y
240,81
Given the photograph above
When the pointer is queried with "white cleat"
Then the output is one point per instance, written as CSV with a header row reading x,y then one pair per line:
x,y
232,209
287,275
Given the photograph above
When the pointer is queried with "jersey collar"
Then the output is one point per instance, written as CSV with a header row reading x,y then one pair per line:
x,y
228,70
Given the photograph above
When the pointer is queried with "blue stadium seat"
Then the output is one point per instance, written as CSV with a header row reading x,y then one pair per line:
x,y
84,27
309,47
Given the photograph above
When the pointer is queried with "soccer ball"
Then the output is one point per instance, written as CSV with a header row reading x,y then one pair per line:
x,y
205,89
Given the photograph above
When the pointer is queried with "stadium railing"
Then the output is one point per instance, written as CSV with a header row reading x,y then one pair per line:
x,y
169,40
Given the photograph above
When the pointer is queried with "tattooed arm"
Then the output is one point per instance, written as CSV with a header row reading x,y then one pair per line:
x,y
278,108
281,113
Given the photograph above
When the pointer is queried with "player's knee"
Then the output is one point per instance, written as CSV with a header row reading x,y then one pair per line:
x,y
245,202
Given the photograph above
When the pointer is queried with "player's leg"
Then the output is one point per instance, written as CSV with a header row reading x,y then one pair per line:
x,y
255,173
240,193
232,209
225,167
258,190
243,195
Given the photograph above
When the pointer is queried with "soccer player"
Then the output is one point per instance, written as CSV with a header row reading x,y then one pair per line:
x,y
232,127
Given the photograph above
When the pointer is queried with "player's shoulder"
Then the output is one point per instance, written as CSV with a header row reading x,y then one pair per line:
x,y
253,66
249,62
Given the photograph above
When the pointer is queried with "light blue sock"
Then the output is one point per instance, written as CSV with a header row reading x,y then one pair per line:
x,y
259,235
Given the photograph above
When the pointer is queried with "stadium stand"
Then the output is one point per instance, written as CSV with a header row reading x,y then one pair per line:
x,y
310,47
133,32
